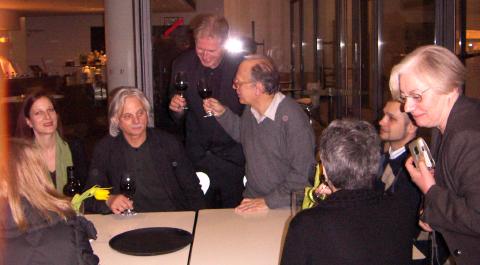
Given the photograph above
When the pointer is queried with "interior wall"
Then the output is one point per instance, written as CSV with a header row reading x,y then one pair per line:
x,y
202,6
53,40
272,26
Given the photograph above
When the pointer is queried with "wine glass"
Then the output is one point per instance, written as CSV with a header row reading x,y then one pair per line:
x,y
127,188
181,84
205,92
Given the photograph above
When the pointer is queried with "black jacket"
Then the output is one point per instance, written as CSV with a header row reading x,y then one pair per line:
x,y
349,227
59,242
452,206
206,134
180,181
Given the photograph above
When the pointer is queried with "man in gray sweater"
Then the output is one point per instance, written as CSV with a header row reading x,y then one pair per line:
x,y
274,131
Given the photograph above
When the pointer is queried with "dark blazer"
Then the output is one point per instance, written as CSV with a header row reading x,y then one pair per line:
x,y
405,190
204,134
452,206
349,227
57,242
179,181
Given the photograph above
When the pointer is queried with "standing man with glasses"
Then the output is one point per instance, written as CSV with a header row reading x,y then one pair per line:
x,y
276,135
209,147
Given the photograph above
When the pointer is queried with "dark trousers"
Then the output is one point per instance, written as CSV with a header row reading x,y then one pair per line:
x,y
226,182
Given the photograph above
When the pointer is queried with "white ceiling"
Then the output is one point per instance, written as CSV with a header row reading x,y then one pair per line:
x,y
57,7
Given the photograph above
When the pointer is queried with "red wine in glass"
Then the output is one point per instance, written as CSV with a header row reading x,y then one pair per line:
x,y
181,84
205,92
127,188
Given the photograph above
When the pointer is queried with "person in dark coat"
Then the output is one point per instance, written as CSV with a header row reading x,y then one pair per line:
x,y
207,144
164,177
355,224
396,131
429,82
38,224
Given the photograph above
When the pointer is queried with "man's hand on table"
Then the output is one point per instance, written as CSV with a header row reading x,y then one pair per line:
x,y
119,203
252,205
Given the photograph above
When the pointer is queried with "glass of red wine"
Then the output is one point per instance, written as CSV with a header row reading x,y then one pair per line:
x,y
127,188
205,92
181,84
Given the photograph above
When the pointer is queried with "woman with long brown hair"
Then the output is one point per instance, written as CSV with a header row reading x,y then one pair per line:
x,y
38,224
39,122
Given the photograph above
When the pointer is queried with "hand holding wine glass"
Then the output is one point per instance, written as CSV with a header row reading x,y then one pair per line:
x,y
181,85
127,188
205,92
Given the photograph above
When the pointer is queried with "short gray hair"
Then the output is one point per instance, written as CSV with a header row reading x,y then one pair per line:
x,y
210,26
350,152
118,101
265,72
433,67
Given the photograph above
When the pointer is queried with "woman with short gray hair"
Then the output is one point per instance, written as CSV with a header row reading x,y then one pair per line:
x,y
355,224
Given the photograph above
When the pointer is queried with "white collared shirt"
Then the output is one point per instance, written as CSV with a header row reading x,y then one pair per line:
x,y
271,110
396,153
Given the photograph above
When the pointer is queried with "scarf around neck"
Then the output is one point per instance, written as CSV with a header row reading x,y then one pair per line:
x,y
63,159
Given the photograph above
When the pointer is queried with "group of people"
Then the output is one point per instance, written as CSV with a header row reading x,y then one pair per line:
x,y
357,226
374,202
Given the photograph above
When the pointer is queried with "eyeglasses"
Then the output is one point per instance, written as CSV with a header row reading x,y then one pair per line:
x,y
416,97
237,83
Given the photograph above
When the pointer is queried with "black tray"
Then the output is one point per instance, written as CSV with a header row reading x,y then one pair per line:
x,y
151,241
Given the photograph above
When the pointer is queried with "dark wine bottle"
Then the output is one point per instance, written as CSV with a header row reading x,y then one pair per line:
x,y
73,184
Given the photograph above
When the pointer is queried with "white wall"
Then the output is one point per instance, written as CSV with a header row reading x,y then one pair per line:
x,y
53,40
202,6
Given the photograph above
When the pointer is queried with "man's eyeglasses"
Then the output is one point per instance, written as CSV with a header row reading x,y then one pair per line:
x,y
237,83
416,97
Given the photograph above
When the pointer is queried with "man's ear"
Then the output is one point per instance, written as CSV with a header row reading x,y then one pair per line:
x,y
411,128
259,88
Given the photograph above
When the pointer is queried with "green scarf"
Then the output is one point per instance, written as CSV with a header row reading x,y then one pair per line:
x,y
63,159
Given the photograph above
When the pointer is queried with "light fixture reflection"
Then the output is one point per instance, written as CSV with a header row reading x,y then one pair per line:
x,y
234,45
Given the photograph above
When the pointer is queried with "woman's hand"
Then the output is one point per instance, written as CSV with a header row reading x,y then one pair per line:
x,y
213,105
421,176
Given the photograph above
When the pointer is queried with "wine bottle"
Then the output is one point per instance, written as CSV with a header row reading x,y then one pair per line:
x,y
72,187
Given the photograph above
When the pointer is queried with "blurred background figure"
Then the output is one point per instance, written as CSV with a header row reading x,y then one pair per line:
x,y
355,224
429,82
6,68
38,225
39,122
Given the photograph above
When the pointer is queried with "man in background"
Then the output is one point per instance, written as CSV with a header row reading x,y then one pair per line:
x,y
207,144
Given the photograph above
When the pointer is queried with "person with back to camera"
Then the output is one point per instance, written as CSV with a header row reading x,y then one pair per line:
x,y
40,122
429,82
38,224
155,160
356,223
207,144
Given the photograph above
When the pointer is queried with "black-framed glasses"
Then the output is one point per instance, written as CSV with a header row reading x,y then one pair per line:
x,y
416,97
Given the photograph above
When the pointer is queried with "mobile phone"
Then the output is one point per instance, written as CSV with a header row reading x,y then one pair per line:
x,y
418,150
